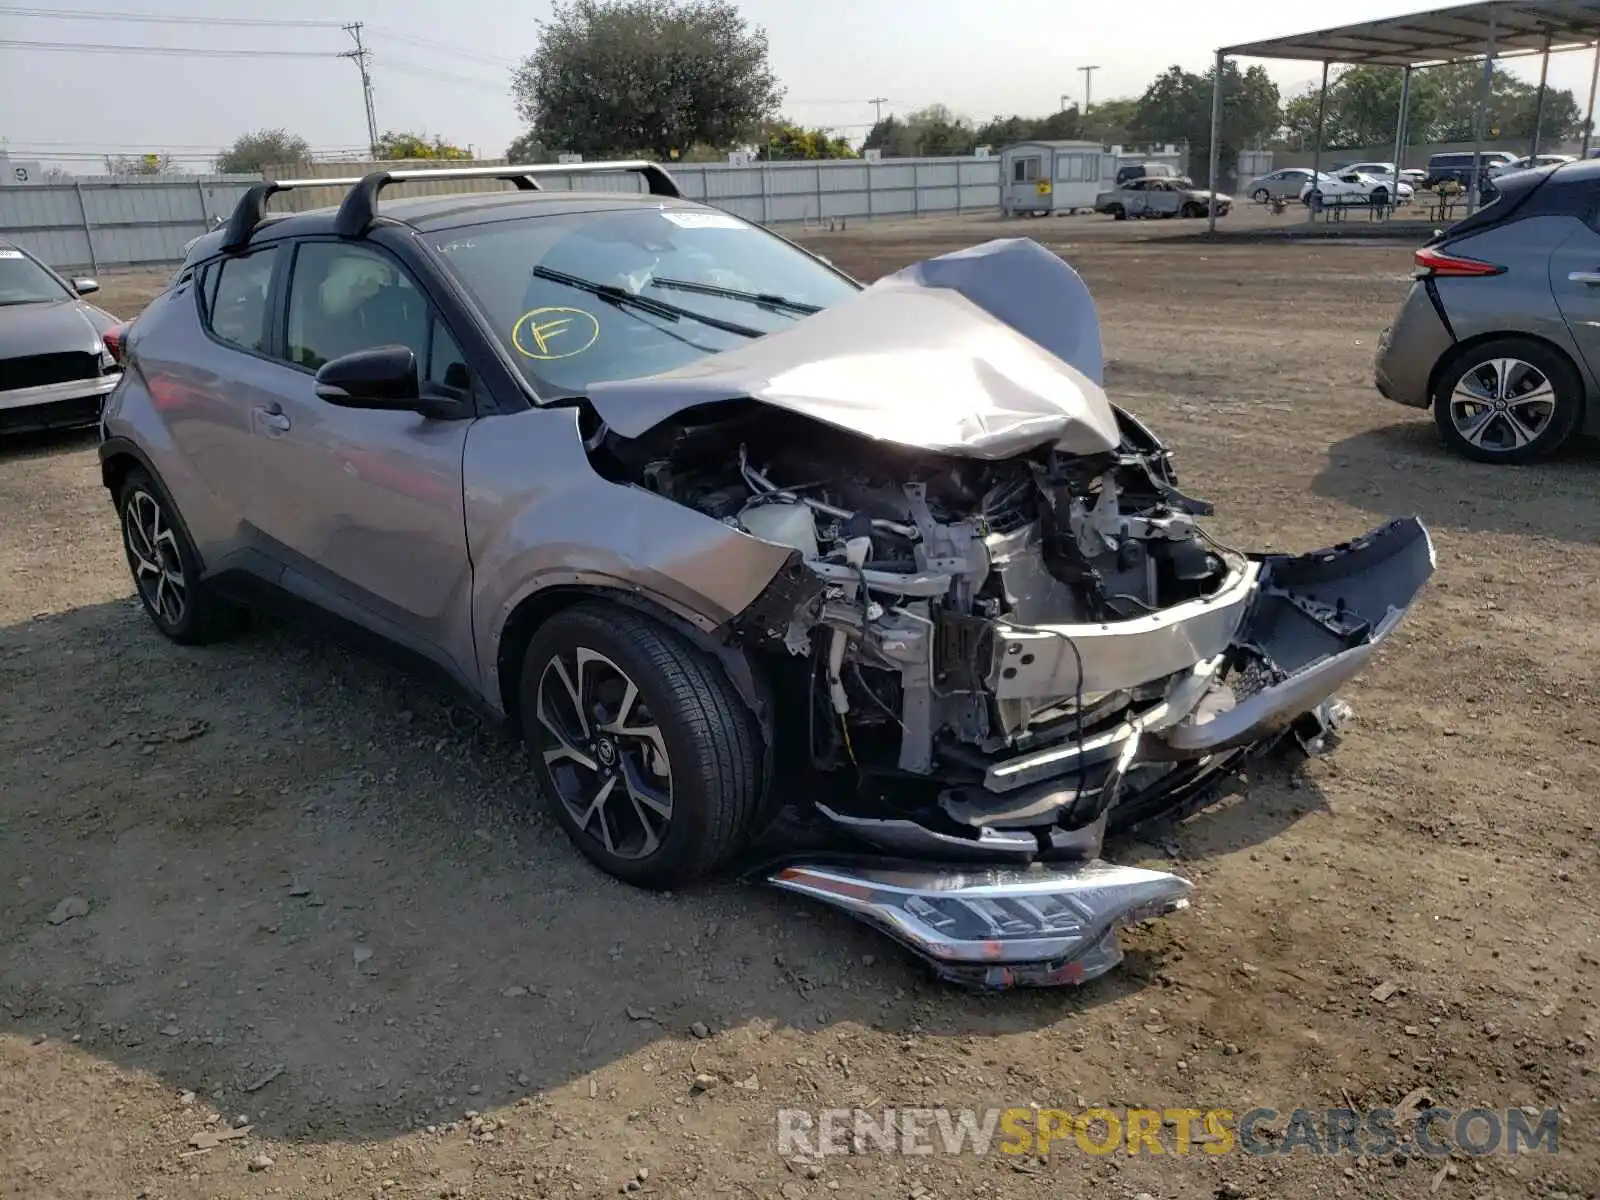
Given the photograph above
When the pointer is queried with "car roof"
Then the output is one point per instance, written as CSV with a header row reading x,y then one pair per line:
x,y
426,213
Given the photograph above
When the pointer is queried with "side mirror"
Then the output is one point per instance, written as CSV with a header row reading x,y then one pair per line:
x,y
383,377
84,286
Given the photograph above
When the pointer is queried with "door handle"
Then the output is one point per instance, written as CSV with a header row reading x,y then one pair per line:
x,y
1589,277
271,421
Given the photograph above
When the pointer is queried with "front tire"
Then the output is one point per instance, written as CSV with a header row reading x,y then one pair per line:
x,y
649,758
166,567
1510,400
1118,213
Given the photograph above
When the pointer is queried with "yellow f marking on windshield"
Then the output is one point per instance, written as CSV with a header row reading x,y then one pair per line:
x,y
551,333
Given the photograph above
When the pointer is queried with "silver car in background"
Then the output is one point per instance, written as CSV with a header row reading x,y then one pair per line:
x,y
1285,184
1500,334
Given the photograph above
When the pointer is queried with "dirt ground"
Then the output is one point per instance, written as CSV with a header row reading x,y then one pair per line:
x,y
318,902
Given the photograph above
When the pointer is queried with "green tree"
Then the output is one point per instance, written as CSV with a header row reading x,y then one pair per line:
x,y
1364,102
1110,120
889,137
935,131
1176,107
784,140
418,145
998,132
265,148
529,148
646,77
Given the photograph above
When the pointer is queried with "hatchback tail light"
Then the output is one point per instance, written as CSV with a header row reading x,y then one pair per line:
x,y
1434,262
116,340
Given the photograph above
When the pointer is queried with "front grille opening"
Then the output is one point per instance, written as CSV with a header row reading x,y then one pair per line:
x,y
41,370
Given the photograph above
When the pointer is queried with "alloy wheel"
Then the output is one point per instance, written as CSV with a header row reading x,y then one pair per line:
x,y
604,752
1502,404
152,546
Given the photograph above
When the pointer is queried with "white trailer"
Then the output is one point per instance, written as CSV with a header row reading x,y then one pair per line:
x,y
1049,177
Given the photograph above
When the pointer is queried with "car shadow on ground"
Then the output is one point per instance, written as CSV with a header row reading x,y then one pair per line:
x,y
1405,468
293,881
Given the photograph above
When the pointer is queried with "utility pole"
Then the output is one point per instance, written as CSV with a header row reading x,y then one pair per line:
x,y
1088,74
877,103
361,56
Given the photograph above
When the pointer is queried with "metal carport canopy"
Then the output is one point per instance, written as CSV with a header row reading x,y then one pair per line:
x,y
1465,33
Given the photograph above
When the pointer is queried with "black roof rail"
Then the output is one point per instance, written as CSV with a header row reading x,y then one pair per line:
x,y
252,206
359,207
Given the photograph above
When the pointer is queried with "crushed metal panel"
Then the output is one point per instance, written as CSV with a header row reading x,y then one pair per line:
x,y
938,358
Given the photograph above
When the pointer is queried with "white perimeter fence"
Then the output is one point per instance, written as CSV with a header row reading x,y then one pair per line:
x,y
103,223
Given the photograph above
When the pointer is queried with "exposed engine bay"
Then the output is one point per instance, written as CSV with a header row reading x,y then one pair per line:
x,y
994,649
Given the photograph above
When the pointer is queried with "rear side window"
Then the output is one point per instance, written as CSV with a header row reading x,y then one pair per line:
x,y
234,297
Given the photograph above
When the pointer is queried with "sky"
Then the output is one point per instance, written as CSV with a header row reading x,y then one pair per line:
x,y
444,66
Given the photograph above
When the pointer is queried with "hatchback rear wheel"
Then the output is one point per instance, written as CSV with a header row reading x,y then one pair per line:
x,y
1511,400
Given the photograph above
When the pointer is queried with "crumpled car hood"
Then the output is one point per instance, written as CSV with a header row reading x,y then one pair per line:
x,y
983,353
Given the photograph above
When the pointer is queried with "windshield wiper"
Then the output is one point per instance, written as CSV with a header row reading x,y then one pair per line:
x,y
613,294
765,299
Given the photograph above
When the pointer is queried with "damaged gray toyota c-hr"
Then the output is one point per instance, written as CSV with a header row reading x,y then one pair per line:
x,y
870,592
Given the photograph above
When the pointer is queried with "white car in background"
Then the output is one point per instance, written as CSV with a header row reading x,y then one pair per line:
x,y
1383,170
1531,163
1354,187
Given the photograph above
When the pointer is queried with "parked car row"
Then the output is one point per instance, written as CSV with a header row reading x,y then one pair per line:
x,y
1351,185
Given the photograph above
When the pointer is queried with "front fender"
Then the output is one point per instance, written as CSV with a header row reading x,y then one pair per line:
x,y
540,517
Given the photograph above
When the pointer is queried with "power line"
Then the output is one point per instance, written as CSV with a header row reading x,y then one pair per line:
x,y
179,148
443,47
174,51
79,14
408,68
252,22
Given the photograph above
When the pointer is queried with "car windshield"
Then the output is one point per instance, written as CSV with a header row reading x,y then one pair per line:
x,y
580,298
23,281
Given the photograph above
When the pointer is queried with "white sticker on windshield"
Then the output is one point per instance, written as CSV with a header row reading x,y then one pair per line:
x,y
10,253
702,220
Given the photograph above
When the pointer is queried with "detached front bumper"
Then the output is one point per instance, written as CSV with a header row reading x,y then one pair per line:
x,y
1316,620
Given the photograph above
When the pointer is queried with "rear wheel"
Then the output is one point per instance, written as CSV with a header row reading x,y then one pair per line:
x,y
1511,400
650,760
1261,195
